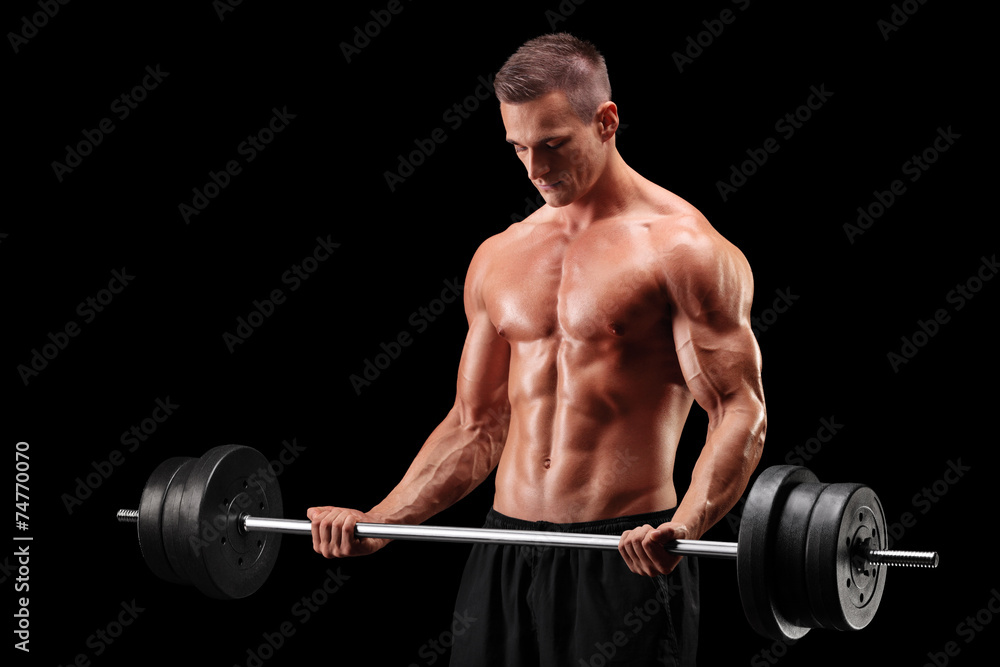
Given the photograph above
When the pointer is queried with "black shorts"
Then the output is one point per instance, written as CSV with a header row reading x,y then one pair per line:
x,y
562,607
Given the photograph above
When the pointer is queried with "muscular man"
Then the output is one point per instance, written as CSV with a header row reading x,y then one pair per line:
x,y
593,326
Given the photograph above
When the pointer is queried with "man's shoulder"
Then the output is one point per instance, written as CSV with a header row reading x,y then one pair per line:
x,y
496,250
693,250
678,226
510,238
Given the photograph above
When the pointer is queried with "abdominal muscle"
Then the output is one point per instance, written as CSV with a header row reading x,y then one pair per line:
x,y
593,433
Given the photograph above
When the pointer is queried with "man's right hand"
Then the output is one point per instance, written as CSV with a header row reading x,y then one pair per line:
x,y
333,532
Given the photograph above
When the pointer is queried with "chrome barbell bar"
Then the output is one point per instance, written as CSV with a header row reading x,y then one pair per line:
x,y
701,548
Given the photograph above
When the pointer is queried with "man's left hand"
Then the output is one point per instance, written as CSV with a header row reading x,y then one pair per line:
x,y
643,551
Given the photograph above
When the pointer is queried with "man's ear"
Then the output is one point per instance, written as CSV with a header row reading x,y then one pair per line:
x,y
607,117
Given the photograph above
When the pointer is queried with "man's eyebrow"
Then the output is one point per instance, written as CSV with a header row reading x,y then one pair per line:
x,y
544,140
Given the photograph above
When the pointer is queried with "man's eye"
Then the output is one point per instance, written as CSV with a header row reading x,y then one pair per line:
x,y
519,149
555,146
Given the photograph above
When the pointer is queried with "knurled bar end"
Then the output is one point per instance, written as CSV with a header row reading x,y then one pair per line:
x,y
128,516
904,558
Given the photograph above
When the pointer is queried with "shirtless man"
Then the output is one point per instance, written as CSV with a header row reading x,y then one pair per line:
x,y
593,326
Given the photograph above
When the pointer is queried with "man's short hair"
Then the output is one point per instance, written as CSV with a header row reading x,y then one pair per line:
x,y
557,61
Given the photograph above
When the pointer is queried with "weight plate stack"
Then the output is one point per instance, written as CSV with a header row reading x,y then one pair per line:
x,y
757,559
151,517
219,558
844,588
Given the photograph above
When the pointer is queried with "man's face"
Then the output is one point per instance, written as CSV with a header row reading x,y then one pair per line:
x,y
563,155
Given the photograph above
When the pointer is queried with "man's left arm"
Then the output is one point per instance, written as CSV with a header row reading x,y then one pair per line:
x,y
711,290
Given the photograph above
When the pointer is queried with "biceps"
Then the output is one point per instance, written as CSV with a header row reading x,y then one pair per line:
x,y
721,366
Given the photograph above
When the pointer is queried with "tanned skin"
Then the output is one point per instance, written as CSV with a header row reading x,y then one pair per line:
x,y
593,326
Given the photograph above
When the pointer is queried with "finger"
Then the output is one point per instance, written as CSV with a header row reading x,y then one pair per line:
x,y
662,561
661,535
646,554
315,514
640,559
345,536
327,534
623,549
318,511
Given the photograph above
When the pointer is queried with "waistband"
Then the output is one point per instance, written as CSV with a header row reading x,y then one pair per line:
x,y
613,526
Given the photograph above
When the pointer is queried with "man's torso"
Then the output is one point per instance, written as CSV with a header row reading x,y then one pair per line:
x,y
598,400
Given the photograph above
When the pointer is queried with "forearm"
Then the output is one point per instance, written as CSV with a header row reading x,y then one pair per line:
x,y
721,474
458,455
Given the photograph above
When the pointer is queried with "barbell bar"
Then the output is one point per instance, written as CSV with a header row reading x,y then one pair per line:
x,y
808,555
528,538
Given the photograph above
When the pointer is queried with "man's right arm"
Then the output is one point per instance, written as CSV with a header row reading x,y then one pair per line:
x,y
459,454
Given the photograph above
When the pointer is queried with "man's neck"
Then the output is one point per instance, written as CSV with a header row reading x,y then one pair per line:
x,y
614,193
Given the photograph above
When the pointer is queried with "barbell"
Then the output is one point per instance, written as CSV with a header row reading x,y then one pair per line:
x,y
808,555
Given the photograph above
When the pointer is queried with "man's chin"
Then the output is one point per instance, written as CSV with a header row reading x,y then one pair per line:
x,y
556,197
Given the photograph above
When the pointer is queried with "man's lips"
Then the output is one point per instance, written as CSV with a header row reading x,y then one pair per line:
x,y
549,186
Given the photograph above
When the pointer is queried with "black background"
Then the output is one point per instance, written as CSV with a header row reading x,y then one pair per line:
x,y
825,357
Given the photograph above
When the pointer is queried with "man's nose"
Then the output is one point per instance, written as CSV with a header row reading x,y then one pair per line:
x,y
536,164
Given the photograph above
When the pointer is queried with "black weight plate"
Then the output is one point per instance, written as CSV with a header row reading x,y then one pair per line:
x,y
171,520
844,591
789,574
755,557
151,518
220,560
